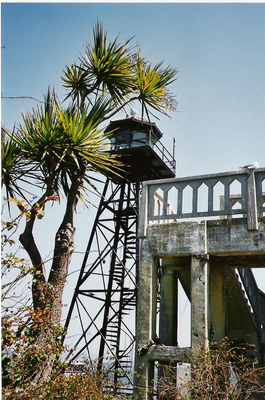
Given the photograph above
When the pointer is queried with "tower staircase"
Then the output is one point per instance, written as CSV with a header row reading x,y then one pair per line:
x,y
248,301
109,283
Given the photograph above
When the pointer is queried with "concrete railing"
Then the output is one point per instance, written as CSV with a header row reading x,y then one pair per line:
x,y
167,199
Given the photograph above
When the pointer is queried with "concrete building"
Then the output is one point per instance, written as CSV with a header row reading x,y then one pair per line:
x,y
210,249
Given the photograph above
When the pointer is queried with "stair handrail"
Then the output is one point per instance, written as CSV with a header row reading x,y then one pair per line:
x,y
255,296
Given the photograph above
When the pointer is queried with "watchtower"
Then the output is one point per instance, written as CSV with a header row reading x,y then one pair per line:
x,y
102,311
137,142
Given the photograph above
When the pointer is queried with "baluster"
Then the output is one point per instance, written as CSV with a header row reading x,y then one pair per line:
x,y
194,200
227,196
210,198
180,199
165,202
252,214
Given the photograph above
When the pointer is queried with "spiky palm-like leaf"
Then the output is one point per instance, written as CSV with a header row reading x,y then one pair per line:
x,y
106,68
84,141
38,137
64,142
77,81
14,168
152,85
109,64
10,153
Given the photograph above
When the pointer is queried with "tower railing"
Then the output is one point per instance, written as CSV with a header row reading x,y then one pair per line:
x,y
208,196
164,154
146,140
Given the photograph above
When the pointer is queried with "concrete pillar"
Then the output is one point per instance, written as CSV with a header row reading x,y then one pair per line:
x,y
146,319
168,307
217,304
199,302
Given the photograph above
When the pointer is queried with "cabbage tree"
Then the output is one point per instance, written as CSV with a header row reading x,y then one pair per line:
x,y
55,149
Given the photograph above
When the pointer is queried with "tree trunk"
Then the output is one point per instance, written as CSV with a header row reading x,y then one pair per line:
x,y
47,294
63,249
64,245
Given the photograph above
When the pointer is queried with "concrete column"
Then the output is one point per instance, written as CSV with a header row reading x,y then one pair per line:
x,y
145,319
217,304
199,302
168,307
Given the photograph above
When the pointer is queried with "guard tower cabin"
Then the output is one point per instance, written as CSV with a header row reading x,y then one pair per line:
x,y
137,142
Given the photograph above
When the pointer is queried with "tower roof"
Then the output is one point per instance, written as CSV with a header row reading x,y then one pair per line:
x,y
134,122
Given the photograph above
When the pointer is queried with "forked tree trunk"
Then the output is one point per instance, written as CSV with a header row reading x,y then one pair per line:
x,y
47,294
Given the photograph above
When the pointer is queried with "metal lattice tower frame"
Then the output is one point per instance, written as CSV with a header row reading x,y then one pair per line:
x,y
105,294
102,311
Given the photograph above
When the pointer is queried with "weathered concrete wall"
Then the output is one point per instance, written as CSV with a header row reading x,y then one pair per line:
x,y
215,237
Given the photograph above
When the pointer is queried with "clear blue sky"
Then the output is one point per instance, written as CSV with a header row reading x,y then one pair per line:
x,y
219,50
